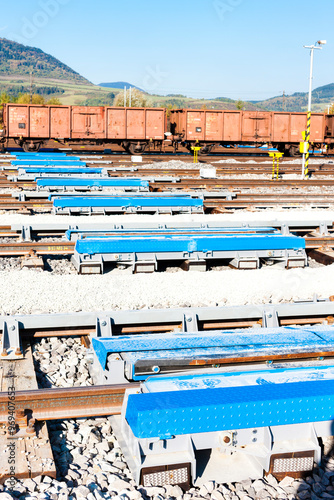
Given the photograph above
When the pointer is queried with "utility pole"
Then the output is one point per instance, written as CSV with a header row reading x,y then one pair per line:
x,y
283,100
125,96
130,92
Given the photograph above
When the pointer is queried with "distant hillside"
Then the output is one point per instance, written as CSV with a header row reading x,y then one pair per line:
x,y
50,77
20,60
322,97
119,85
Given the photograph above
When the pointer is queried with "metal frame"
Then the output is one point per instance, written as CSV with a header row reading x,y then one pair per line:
x,y
285,226
271,314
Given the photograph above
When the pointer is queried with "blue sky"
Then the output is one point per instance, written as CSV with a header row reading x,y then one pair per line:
x,y
242,49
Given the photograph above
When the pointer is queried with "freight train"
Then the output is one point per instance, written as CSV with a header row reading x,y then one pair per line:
x,y
140,129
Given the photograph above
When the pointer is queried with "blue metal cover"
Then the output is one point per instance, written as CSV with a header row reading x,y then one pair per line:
x,y
135,201
158,345
90,182
168,414
48,163
63,170
178,243
45,156
184,230
22,154
213,379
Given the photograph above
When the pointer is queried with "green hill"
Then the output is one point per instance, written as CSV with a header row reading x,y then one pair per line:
x,y
19,59
119,85
23,68
322,97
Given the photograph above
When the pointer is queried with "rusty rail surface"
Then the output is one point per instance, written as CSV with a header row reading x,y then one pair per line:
x,y
72,402
40,248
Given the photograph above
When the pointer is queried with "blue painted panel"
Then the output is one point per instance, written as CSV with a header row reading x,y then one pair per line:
x,y
36,156
173,413
45,156
63,170
185,230
115,201
178,243
137,195
133,196
72,181
271,374
47,163
230,340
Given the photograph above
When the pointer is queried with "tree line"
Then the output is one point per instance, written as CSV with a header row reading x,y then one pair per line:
x,y
27,99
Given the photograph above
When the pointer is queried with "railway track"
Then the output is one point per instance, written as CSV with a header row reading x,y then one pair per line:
x,y
254,201
61,247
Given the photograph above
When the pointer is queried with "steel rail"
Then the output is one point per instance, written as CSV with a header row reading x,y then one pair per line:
x,y
70,402
40,248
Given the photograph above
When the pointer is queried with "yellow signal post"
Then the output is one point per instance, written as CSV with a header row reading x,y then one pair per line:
x,y
196,149
305,146
275,155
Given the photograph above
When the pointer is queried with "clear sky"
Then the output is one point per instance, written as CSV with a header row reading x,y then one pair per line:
x,y
242,49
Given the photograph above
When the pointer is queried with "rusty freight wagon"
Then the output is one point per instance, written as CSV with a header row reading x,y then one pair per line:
x,y
209,128
32,126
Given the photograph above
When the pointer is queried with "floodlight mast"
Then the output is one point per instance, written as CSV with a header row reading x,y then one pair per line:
x,y
317,45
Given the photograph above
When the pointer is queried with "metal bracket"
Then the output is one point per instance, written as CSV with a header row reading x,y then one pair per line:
x,y
10,346
323,229
26,233
270,318
103,327
190,322
285,229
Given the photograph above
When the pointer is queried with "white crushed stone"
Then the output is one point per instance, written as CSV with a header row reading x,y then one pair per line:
x,y
25,292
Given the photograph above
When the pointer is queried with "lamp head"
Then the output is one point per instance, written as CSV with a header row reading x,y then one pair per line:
x,y
321,42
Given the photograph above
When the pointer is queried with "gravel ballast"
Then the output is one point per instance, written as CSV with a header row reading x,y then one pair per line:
x,y
30,292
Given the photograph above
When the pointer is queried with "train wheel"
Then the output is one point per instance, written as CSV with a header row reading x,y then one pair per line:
x,y
294,151
31,147
136,149
206,149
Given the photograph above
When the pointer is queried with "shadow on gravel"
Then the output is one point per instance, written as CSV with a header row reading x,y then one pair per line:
x,y
42,379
